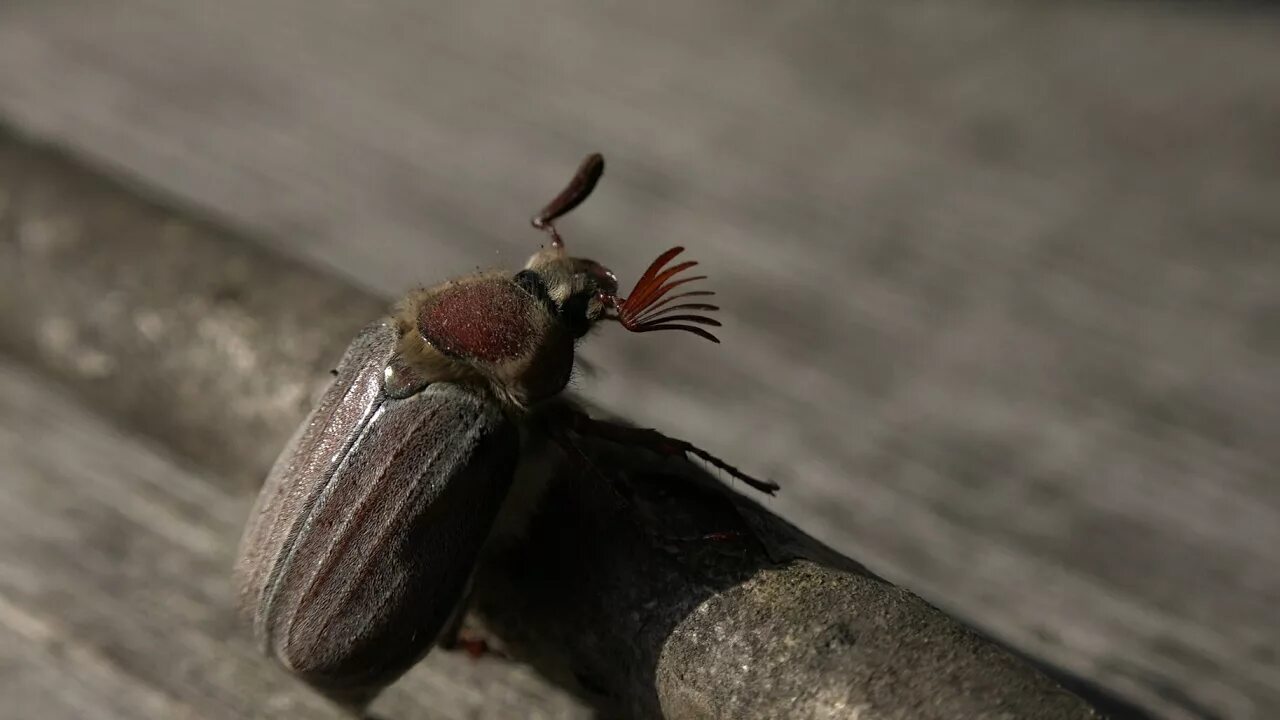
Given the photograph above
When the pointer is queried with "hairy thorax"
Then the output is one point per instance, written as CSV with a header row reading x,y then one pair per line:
x,y
486,330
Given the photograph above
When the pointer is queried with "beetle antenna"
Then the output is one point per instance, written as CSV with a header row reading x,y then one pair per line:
x,y
578,189
646,309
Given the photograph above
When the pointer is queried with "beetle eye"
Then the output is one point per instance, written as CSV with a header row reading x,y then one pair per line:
x,y
575,313
604,278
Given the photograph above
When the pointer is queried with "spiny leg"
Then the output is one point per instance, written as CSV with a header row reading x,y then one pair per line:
x,y
583,424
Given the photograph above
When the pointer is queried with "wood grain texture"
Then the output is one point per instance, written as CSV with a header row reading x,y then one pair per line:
x,y
115,600
1000,280
209,344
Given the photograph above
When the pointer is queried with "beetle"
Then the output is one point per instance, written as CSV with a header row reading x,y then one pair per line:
x,y
362,541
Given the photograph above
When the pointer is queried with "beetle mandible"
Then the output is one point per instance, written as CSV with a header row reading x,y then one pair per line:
x,y
367,529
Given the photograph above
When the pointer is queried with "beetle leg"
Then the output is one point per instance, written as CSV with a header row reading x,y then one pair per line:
x,y
475,643
456,635
655,441
476,646
722,536
559,434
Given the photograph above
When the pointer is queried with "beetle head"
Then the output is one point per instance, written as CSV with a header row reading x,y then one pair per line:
x,y
583,291
573,287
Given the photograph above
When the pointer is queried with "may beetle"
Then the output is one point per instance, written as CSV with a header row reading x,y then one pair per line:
x,y
369,525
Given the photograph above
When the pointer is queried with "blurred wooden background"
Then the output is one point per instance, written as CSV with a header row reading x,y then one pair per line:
x,y
1001,281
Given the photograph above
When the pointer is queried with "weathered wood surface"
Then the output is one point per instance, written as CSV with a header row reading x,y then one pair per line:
x,y
1001,280
114,597
150,316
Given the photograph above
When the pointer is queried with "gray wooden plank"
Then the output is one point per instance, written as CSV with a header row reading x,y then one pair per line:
x,y
211,345
115,598
999,279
